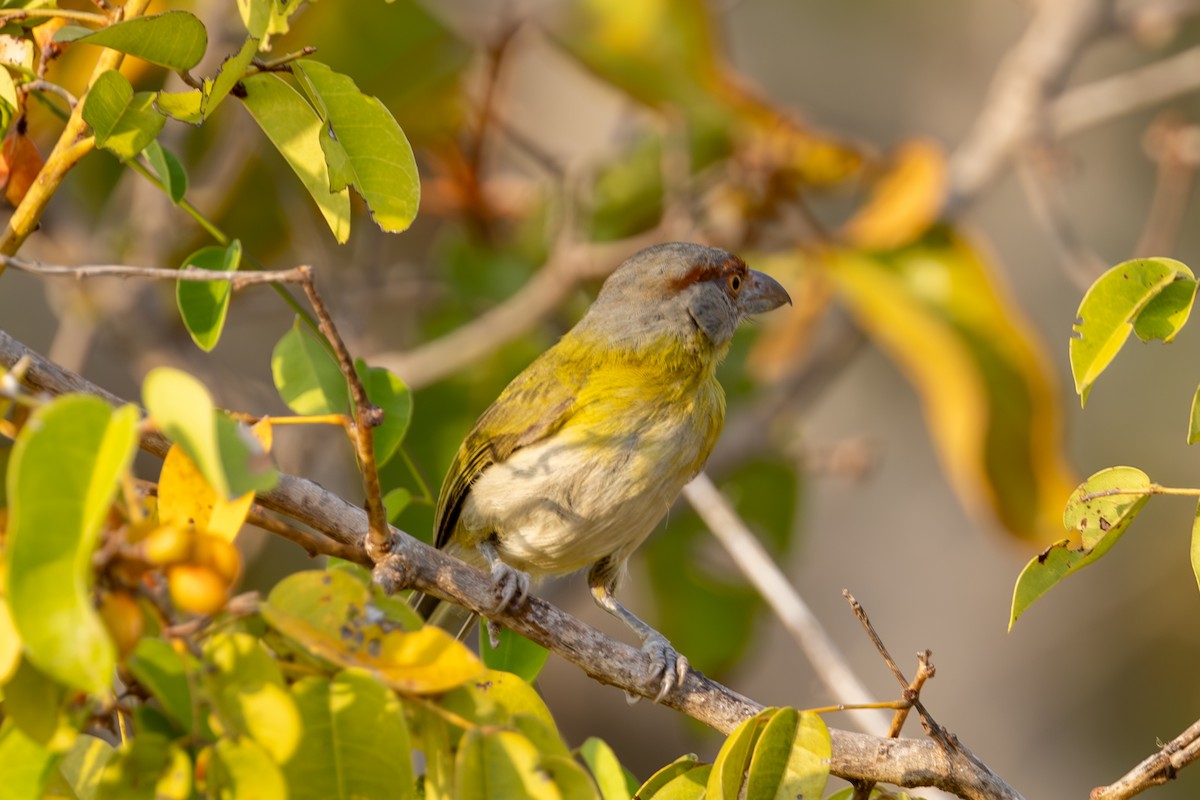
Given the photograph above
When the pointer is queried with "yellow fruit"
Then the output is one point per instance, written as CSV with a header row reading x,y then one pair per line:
x,y
196,588
167,544
220,555
123,618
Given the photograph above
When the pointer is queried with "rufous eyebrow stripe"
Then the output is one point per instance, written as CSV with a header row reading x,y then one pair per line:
x,y
709,271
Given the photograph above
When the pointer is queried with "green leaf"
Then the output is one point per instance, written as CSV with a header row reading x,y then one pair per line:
x,y
1195,549
61,480
733,759
615,782
250,695
791,757
678,767
242,770
233,69
327,614
394,502
160,670
169,170
389,392
256,16
307,375
1194,419
515,654
147,767
196,105
499,764
570,779
778,753
295,130
203,305
496,698
1152,296
37,705
363,146
186,106
83,766
232,462
10,640
124,123
8,89
25,766
1100,510
353,728
174,39
687,785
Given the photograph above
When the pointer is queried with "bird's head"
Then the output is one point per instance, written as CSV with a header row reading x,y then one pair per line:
x,y
680,290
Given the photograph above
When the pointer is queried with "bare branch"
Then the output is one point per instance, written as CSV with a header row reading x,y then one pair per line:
x,y
237,280
903,762
366,418
1104,100
1030,74
1156,770
1174,146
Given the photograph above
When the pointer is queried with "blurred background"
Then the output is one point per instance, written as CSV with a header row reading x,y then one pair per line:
x,y
907,431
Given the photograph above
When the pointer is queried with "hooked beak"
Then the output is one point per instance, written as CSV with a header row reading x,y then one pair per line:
x,y
763,293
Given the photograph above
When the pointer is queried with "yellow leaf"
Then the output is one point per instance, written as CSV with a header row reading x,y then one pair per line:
x,y
185,498
323,611
990,402
906,201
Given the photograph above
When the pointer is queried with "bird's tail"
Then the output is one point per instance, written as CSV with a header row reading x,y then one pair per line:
x,y
454,619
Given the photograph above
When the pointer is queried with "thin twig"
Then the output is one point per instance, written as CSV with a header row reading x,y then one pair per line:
x,y
1031,72
53,88
1156,770
366,418
237,280
1101,101
760,569
312,543
284,61
1174,146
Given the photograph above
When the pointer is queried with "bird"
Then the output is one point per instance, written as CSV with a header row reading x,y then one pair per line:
x,y
582,455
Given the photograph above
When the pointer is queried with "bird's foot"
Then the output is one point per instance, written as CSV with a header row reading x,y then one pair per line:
x,y
666,665
511,586
493,632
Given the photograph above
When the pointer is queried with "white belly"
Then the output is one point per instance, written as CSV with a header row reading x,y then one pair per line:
x,y
560,505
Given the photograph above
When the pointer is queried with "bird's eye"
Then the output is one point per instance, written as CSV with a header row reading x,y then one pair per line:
x,y
735,283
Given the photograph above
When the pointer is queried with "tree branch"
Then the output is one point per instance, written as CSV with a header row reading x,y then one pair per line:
x,y
1029,75
903,762
1159,768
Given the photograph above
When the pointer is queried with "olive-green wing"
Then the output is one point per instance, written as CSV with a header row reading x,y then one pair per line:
x,y
534,406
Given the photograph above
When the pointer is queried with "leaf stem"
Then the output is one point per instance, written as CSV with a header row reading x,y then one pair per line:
x,y
1153,488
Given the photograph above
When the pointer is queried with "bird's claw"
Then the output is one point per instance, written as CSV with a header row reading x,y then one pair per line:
x,y
493,632
511,586
666,665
